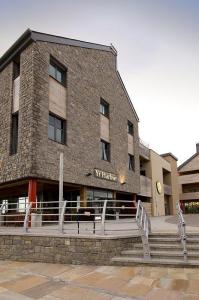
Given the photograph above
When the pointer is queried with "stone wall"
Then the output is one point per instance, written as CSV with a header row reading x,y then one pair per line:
x,y
68,250
13,167
91,74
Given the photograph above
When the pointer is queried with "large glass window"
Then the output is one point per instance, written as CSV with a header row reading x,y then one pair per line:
x,y
104,108
57,129
131,162
105,150
57,72
22,204
94,195
14,134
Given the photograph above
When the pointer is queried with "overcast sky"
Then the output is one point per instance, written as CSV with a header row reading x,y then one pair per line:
x,y
158,55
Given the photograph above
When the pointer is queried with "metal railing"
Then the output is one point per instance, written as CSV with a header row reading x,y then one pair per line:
x,y
182,230
144,149
102,217
144,225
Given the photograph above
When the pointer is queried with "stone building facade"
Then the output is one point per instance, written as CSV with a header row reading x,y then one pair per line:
x,y
159,189
188,181
91,75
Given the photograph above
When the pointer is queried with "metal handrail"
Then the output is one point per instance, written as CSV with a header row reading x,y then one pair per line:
x,y
182,230
2,207
26,219
103,217
97,217
62,214
144,226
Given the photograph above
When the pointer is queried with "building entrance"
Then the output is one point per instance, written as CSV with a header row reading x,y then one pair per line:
x,y
167,205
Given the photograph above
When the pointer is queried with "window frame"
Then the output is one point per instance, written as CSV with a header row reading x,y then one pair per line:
x,y
105,104
130,128
64,127
14,139
102,150
131,162
58,67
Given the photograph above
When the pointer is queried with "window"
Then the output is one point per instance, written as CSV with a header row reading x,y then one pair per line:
x,y
104,108
130,128
105,150
57,72
131,162
57,129
16,70
22,204
14,134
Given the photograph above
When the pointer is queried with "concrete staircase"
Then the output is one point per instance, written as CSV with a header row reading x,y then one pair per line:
x,y
166,249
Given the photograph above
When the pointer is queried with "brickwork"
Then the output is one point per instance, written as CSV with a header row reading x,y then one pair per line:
x,y
16,166
69,250
91,74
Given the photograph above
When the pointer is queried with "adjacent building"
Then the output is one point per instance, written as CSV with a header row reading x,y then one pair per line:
x,y
59,95
158,181
189,183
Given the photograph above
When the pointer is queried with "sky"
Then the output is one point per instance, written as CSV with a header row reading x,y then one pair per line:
x,y
158,55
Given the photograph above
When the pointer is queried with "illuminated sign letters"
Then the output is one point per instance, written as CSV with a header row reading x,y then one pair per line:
x,y
105,175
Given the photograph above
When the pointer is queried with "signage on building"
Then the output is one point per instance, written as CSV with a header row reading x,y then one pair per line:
x,y
158,187
105,175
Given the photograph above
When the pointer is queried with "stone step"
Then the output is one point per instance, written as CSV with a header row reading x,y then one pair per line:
x,y
164,240
168,235
192,240
156,253
168,246
172,239
162,234
127,261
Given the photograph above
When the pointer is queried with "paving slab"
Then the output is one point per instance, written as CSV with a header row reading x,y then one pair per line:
x,y
37,281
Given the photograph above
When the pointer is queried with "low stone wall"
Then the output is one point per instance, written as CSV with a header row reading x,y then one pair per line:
x,y
68,250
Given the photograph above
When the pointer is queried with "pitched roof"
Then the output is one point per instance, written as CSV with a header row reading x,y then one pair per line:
x,y
30,36
169,154
187,161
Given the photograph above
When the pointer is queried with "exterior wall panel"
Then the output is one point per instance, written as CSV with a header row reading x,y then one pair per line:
x,y
57,98
16,89
130,144
104,125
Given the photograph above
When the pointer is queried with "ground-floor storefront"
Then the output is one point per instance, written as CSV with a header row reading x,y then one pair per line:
x,y
44,195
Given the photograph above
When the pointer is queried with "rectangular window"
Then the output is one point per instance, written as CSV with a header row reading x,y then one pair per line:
x,y
22,204
104,108
131,162
57,72
105,150
14,133
57,129
16,70
130,128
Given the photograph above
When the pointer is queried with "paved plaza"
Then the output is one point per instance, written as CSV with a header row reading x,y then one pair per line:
x,y
26,281
127,227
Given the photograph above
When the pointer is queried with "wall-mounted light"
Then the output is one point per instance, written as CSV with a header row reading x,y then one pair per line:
x,y
122,179
88,174
122,183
